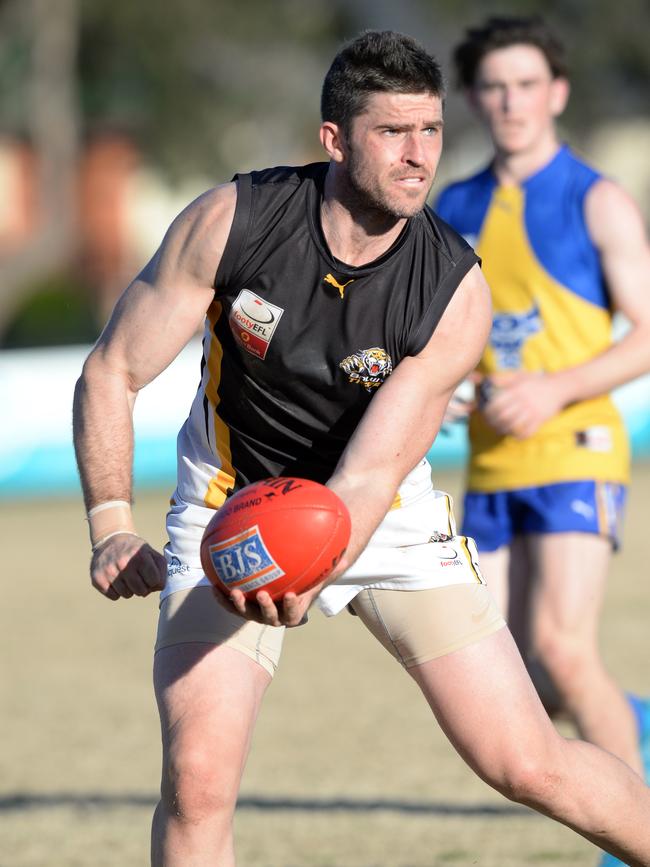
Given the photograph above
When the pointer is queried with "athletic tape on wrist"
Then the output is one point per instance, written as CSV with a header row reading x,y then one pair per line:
x,y
108,536
109,518
111,504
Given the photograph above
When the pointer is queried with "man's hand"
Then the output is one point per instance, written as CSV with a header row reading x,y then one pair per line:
x,y
125,566
462,402
288,611
520,403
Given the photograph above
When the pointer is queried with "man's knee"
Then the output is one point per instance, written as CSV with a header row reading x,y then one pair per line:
x,y
526,778
566,657
195,788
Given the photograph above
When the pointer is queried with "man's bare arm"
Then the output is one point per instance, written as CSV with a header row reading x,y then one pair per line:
x,y
153,320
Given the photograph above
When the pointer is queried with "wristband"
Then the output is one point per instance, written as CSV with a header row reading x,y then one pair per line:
x,y
108,536
111,504
107,518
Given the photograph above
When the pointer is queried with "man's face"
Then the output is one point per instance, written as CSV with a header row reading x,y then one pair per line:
x,y
518,98
393,151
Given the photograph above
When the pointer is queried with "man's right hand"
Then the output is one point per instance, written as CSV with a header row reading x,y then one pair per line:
x,y
125,566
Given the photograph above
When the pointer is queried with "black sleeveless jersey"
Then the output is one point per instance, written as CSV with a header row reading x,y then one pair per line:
x,y
297,343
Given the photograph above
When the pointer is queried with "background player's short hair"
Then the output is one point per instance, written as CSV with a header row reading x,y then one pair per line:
x,y
502,32
376,61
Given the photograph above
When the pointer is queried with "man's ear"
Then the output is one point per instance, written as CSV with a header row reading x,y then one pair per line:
x,y
333,140
560,90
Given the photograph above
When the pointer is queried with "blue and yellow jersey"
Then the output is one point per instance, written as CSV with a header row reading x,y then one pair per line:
x,y
551,311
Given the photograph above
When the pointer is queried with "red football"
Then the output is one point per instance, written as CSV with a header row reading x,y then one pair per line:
x,y
279,534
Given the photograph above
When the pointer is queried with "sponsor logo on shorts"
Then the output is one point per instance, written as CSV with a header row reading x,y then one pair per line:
x,y
175,567
243,561
580,507
436,536
446,552
368,367
253,322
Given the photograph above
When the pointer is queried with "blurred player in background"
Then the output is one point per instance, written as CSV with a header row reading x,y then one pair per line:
x,y
341,315
562,249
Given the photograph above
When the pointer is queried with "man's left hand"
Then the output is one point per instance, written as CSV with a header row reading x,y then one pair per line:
x,y
522,402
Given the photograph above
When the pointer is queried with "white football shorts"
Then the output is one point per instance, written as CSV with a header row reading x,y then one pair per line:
x,y
414,548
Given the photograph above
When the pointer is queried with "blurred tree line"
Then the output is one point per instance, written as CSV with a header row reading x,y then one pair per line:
x,y
207,87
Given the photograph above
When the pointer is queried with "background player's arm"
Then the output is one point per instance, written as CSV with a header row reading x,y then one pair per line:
x,y
396,432
524,401
152,321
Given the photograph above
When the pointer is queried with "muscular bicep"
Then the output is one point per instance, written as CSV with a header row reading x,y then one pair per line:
x,y
405,415
165,305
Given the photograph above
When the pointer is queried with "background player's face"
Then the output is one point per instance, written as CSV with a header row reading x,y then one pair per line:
x,y
393,152
518,98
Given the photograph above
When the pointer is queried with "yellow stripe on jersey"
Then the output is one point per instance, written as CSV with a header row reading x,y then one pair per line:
x,y
397,502
224,480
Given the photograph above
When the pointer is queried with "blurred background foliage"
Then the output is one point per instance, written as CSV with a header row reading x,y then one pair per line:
x,y
203,88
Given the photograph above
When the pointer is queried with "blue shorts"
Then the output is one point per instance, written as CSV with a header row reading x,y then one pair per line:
x,y
492,520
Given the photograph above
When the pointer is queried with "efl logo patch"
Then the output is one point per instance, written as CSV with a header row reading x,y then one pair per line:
x,y
253,322
243,561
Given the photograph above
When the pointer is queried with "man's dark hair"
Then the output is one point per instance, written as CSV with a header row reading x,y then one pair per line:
x,y
376,61
502,32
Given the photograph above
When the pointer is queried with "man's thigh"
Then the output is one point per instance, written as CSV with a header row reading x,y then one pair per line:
x,y
195,615
571,572
420,625
487,706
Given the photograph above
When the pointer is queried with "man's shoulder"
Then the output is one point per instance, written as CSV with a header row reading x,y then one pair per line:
x,y
463,188
292,175
463,203
447,240
577,170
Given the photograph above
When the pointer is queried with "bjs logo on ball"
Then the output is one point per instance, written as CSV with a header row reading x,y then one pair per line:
x,y
243,561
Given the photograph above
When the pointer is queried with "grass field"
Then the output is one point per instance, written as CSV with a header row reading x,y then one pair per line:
x,y
348,768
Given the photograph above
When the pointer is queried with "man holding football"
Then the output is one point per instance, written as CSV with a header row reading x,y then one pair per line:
x,y
302,276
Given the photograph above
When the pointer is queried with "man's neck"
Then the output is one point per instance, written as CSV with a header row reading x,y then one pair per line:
x,y
355,235
515,168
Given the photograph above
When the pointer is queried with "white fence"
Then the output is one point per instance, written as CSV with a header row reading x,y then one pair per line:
x,y
36,454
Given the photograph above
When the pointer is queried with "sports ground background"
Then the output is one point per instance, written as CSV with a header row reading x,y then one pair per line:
x,y
348,767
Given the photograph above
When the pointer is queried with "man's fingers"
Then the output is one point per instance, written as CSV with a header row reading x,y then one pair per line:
x,y
126,569
152,568
268,608
292,612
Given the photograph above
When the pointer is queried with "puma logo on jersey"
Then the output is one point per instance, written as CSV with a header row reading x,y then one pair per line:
x,y
334,282
368,367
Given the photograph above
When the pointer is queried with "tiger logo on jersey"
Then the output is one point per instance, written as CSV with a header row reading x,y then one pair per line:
x,y
368,367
